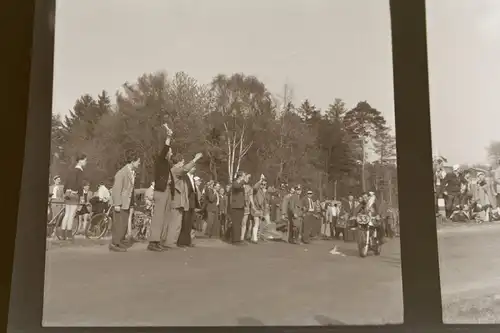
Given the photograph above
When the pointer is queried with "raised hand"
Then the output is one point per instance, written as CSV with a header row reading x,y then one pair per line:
x,y
169,131
198,156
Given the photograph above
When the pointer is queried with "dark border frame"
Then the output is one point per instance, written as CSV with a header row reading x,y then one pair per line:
x,y
420,266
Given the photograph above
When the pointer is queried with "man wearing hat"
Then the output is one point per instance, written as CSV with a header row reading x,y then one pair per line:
x,y
451,189
295,211
188,216
309,219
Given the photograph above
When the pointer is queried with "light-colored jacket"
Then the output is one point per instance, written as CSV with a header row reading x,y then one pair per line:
x,y
181,198
332,212
123,187
484,194
259,200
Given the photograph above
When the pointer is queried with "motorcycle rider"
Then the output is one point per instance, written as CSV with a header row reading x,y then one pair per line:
x,y
368,206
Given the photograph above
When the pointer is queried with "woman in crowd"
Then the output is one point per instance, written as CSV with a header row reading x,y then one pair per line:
x,y
72,191
484,197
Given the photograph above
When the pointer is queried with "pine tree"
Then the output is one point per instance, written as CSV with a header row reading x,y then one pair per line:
x,y
364,123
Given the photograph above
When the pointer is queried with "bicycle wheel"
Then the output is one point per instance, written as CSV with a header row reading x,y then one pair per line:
x,y
137,231
97,226
76,226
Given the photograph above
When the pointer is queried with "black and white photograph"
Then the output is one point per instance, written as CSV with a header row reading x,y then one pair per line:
x,y
463,50
233,163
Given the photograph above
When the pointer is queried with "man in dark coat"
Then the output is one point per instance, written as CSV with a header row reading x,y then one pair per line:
x,y
237,207
451,189
163,183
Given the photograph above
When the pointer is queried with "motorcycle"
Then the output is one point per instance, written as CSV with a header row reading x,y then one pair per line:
x,y
368,240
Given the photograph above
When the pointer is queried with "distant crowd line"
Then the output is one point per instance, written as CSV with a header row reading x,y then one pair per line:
x,y
179,206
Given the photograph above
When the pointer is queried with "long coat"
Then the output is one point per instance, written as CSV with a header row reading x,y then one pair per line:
x,y
123,187
484,194
181,196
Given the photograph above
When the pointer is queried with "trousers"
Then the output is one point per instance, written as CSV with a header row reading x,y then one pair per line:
x,y
172,228
69,216
119,226
236,223
158,220
186,228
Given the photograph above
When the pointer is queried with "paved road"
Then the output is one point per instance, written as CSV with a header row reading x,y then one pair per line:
x,y
470,274
267,284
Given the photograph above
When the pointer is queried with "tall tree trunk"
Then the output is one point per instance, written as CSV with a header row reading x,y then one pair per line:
x,y
143,175
390,189
363,161
321,186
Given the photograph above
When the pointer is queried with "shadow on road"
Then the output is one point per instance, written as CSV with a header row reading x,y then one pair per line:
x,y
327,321
249,321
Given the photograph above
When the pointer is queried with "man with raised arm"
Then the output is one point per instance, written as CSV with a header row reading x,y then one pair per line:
x,y
162,185
178,203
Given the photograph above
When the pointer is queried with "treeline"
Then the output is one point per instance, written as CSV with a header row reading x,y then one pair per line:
x,y
237,124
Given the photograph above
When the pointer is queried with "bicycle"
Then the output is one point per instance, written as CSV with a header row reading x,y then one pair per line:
x,y
99,224
141,223
54,222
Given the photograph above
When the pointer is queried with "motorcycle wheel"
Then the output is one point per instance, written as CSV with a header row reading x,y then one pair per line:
x,y
362,245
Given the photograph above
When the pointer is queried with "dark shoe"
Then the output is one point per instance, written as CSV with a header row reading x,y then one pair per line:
x,y
254,242
125,245
116,248
63,234
154,247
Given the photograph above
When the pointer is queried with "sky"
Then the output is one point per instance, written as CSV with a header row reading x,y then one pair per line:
x,y
463,40
324,49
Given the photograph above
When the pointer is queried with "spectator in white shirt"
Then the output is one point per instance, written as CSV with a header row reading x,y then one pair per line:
x,y
103,193
332,213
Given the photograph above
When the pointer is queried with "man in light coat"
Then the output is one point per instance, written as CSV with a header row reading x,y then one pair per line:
x,y
179,203
123,200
